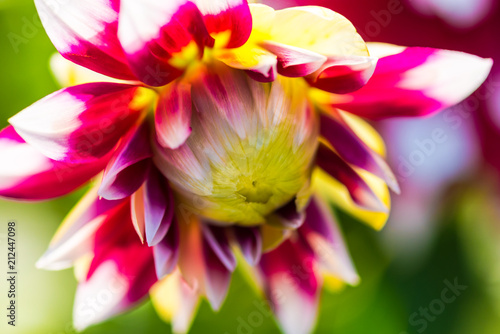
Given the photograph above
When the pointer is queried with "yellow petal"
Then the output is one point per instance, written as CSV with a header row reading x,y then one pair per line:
x,y
175,302
365,132
249,57
380,50
333,283
81,267
68,73
272,236
314,28
336,193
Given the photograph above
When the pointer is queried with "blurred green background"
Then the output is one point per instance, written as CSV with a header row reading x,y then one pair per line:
x,y
393,286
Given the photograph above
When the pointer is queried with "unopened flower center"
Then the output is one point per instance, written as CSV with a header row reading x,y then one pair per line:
x,y
254,191
250,150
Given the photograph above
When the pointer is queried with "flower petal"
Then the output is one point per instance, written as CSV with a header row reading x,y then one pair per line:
x,y
80,123
272,236
161,38
173,115
27,174
336,194
293,61
158,207
224,92
354,151
175,301
85,33
227,16
250,242
69,74
200,265
217,274
292,286
343,75
261,65
166,252
414,82
288,216
358,189
137,212
217,240
325,238
129,165
113,283
304,38
75,237
191,263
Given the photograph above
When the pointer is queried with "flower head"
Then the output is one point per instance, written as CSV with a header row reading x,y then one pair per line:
x,y
218,126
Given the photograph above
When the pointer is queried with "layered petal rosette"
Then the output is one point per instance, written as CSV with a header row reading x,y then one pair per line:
x,y
212,131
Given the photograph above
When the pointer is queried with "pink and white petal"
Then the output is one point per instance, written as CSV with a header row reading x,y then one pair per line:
x,y
293,61
292,285
26,174
116,240
288,216
158,207
360,192
343,75
227,16
175,301
353,150
226,92
414,82
116,285
166,252
81,123
324,237
85,32
260,65
161,38
116,231
249,240
173,115
189,172
218,241
200,266
217,275
129,165
76,235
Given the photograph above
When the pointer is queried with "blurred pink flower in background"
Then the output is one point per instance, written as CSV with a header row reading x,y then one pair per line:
x,y
457,13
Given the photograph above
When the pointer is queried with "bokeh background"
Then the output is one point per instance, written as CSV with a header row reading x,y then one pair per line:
x,y
445,227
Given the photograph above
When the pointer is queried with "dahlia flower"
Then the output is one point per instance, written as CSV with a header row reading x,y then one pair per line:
x,y
216,131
